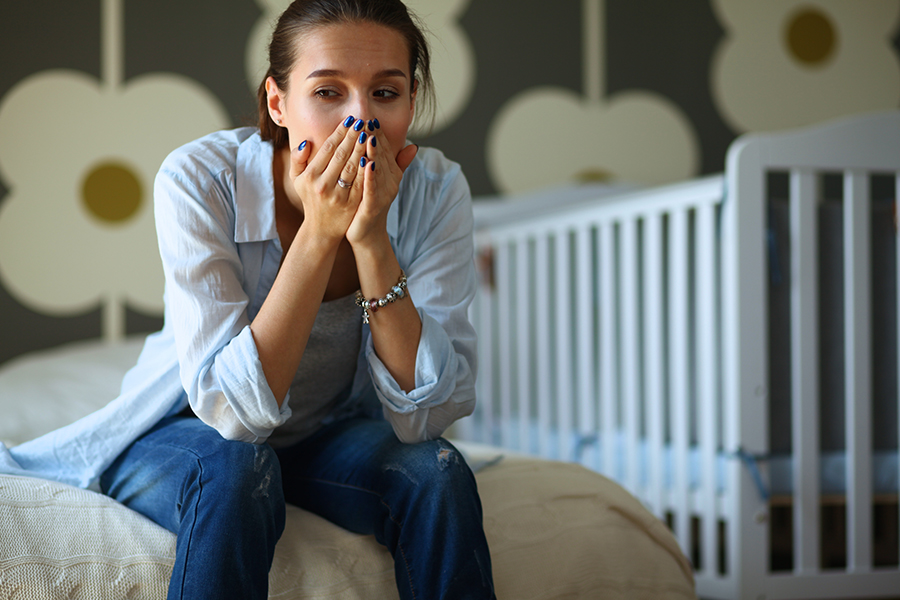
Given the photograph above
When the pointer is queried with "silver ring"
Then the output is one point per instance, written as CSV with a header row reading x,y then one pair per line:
x,y
344,184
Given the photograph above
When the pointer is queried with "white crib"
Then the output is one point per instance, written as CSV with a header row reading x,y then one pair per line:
x,y
631,333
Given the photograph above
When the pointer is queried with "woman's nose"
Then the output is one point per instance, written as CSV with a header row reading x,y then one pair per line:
x,y
363,110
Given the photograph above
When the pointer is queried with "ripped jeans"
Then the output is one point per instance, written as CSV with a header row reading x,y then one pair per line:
x,y
226,502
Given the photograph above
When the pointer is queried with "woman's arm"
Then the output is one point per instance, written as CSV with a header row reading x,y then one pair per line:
x,y
436,249
206,303
395,329
282,327
285,320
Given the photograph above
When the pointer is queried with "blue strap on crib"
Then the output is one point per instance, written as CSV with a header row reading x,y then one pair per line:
x,y
581,442
751,461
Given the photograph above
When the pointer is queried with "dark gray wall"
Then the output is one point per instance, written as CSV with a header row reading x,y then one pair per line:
x,y
655,45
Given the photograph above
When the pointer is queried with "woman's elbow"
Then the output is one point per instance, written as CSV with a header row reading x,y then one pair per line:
x,y
233,429
239,433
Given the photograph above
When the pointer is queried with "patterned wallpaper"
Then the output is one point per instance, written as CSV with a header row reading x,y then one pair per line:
x,y
94,93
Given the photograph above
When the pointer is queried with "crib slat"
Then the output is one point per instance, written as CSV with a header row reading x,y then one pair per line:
x,y
678,353
563,347
630,349
804,367
542,324
654,371
464,428
504,325
524,316
609,365
857,360
584,335
706,370
479,313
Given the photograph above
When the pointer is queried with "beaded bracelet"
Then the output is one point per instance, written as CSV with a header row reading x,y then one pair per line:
x,y
371,306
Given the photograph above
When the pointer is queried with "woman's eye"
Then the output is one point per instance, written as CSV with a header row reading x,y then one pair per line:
x,y
326,93
386,94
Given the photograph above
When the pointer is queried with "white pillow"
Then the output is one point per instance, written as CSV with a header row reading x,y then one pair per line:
x,y
45,390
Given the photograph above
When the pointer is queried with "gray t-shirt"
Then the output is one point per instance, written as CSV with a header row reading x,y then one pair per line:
x,y
325,374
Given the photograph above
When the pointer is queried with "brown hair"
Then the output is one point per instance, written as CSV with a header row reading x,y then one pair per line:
x,y
304,15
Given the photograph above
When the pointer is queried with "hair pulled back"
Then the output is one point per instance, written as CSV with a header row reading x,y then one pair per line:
x,y
303,16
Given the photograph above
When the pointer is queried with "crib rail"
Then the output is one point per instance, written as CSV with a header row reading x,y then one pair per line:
x,y
632,334
856,151
614,305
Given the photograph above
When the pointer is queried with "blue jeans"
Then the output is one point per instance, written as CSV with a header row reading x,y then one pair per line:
x,y
225,501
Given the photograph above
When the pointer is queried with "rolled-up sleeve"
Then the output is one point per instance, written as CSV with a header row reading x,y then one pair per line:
x,y
207,306
435,247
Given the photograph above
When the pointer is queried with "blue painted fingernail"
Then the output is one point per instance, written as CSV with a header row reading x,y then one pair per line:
x,y
372,164
362,137
374,141
359,125
377,124
371,125
362,162
302,145
349,121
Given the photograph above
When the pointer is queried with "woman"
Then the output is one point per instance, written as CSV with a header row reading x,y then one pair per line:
x,y
265,236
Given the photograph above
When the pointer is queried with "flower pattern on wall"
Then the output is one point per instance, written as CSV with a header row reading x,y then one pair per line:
x,y
452,57
792,63
76,228
550,135
256,52
453,63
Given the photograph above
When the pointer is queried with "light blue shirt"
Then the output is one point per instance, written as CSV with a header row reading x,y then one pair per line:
x,y
215,219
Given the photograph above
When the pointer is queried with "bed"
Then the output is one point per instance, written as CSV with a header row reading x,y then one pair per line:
x,y
725,348
556,530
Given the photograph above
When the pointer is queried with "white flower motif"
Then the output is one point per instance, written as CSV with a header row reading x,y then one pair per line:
x,y
792,63
79,157
453,63
256,52
549,135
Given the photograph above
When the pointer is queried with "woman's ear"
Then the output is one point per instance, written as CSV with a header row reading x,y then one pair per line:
x,y
275,101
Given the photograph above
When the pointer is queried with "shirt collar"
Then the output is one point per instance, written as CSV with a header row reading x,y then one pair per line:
x,y
254,203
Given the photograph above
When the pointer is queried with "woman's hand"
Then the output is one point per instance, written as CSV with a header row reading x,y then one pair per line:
x,y
381,180
329,188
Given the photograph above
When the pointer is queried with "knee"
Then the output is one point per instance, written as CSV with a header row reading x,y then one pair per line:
x,y
243,475
234,497
435,468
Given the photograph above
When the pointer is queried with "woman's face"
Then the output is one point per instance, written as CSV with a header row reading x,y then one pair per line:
x,y
358,69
